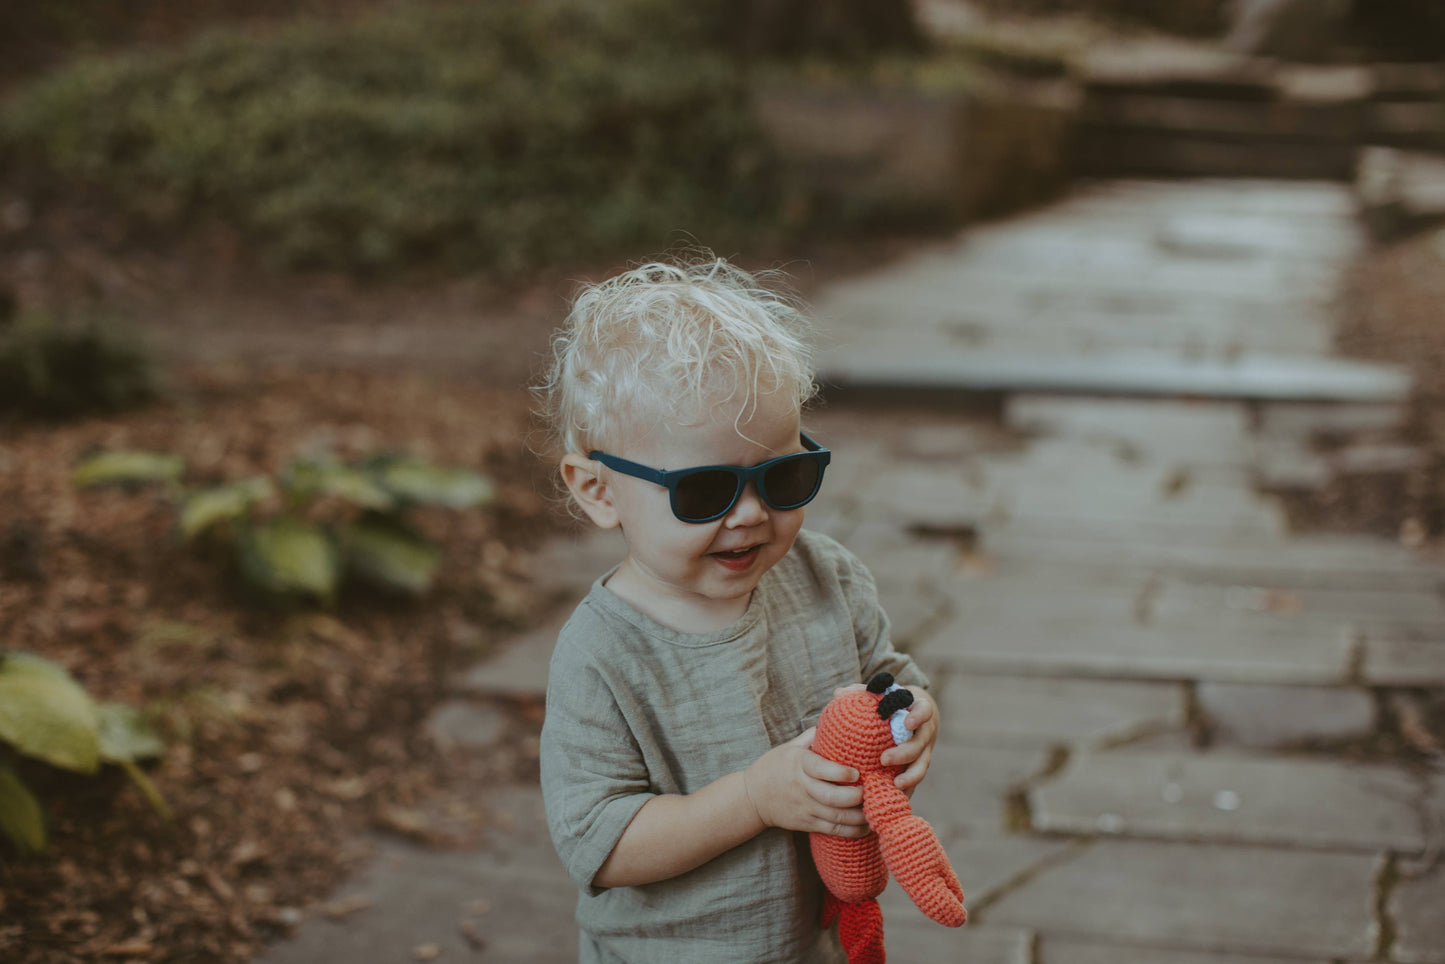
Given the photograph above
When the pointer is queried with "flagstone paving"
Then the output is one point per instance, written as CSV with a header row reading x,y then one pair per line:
x,y
1160,705
1233,798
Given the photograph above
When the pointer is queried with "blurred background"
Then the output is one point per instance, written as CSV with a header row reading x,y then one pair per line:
x,y
275,279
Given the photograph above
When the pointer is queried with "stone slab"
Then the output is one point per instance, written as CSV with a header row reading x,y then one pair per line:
x,y
1123,373
1270,717
912,610
518,667
894,554
966,791
1216,797
1404,659
1158,374
1289,467
1415,907
568,564
1333,562
1177,599
989,866
937,495
910,936
515,893
465,725
1002,710
1066,951
1327,122
1048,643
1247,900
1163,428
1307,421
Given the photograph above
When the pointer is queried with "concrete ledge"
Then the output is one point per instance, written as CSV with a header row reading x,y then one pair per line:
x,y
1252,378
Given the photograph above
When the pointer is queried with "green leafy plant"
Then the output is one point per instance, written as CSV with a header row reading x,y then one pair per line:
x,y
299,536
499,136
61,364
45,715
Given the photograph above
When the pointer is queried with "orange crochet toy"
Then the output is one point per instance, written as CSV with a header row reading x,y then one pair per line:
x,y
855,729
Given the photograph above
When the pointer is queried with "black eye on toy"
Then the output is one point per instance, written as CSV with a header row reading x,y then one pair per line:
x,y
893,702
880,682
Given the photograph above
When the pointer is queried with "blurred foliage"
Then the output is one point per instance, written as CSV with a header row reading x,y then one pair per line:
x,y
298,537
47,717
496,135
75,362
945,71
834,30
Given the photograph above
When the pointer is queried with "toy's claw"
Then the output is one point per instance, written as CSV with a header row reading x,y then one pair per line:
x,y
913,854
934,888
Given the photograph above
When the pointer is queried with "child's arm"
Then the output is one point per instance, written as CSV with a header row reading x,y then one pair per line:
x,y
790,787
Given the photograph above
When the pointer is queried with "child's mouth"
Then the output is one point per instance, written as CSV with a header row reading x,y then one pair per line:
x,y
738,559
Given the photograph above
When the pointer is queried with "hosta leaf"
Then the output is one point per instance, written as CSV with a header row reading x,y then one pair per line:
x,y
20,816
125,735
306,479
116,468
45,714
417,481
223,503
389,554
289,558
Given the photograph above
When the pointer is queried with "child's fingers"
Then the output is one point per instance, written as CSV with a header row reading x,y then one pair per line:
x,y
904,753
913,776
835,795
840,690
840,822
921,711
805,738
821,769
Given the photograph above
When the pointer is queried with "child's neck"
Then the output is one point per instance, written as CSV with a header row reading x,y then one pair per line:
x,y
690,614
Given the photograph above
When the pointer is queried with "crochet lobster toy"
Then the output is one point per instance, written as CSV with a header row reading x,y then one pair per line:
x,y
855,729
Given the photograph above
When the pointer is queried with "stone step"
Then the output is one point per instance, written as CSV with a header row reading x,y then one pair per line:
x,y
1235,798
1163,153
1251,377
1222,898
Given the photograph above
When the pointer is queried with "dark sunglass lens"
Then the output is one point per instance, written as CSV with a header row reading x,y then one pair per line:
x,y
703,495
790,483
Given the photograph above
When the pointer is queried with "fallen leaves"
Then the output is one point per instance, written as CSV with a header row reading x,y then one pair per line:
x,y
294,732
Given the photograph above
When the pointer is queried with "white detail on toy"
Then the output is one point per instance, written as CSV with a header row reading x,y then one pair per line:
x,y
901,733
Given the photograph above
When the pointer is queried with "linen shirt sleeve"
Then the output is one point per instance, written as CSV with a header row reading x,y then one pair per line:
x,y
872,630
594,779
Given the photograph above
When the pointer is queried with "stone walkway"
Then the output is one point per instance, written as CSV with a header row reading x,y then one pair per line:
x,y
1158,702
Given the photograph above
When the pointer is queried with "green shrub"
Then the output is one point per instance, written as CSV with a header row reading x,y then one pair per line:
x,y
69,364
495,135
284,541
46,716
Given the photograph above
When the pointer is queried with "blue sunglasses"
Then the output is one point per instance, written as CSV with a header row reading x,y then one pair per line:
x,y
709,492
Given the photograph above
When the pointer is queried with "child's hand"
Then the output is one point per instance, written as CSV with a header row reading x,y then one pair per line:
x,y
917,751
792,787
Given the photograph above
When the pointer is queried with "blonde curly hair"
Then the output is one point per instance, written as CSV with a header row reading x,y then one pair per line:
x,y
683,337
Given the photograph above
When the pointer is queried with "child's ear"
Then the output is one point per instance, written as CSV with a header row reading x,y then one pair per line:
x,y
589,489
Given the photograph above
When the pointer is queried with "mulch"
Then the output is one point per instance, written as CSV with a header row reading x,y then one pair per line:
x,y
291,731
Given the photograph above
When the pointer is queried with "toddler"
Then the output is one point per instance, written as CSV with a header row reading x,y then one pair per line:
x,y
683,691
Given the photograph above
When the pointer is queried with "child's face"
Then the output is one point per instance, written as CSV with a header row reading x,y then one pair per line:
x,y
695,576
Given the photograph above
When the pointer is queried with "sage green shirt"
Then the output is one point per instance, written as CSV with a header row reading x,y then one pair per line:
x,y
635,709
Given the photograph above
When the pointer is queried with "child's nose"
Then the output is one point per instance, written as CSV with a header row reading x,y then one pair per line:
x,y
749,510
